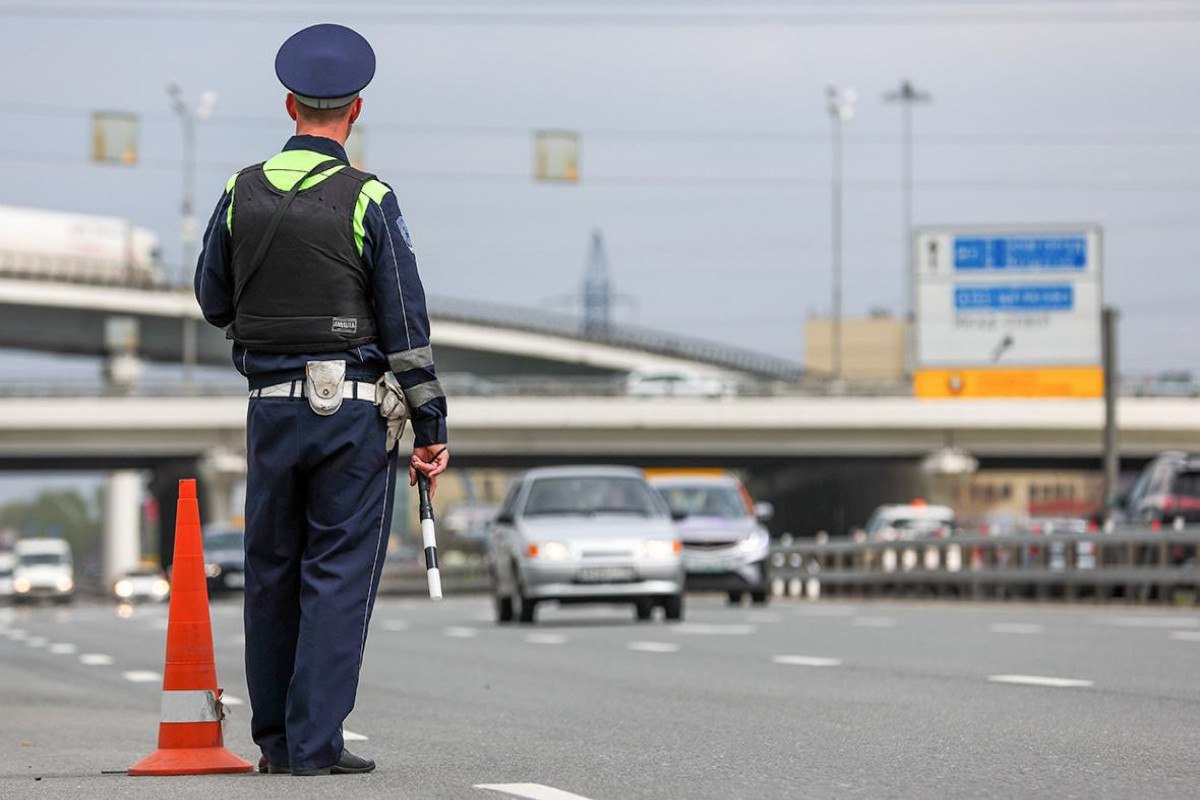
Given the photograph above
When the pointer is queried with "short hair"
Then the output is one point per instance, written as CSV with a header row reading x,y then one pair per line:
x,y
323,116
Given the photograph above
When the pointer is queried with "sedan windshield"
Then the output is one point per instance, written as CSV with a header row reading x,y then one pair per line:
x,y
705,501
587,495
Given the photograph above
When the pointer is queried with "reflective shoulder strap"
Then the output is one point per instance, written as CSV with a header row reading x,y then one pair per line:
x,y
260,254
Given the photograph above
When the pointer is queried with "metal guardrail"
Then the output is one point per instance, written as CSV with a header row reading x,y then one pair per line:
x,y
1134,565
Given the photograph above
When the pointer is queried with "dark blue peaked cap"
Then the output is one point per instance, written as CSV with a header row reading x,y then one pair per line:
x,y
325,66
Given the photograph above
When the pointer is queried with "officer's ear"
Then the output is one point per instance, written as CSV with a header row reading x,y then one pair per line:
x,y
290,104
355,110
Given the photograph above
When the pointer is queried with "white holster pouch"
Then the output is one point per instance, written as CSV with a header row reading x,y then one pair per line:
x,y
323,382
393,407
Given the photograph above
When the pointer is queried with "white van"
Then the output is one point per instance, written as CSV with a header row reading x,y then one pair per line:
x,y
44,569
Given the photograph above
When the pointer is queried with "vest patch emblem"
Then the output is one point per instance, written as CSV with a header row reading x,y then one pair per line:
x,y
345,325
403,228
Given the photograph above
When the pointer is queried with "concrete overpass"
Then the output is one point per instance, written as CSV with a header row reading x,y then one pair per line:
x,y
469,337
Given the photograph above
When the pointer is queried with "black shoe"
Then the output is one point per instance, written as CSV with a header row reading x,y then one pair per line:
x,y
267,767
347,764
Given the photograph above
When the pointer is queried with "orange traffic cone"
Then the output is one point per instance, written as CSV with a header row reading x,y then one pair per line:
x,y
190,741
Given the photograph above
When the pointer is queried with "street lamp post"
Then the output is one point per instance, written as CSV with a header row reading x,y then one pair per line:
x,y
907,95
841,110
189,117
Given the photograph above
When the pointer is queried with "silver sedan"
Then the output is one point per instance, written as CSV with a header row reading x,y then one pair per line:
x,y
585,535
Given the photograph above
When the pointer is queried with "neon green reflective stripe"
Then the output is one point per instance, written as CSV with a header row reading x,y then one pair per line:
x,y
372,192
290,166
229,191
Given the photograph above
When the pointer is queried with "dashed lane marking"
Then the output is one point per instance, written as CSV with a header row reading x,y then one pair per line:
x,y
715,630
351,736
1185,636
457,632
807,661
17,635
37,641
64,649
141,676
1041,680
529,791
395,625
95,660
653,647
874,622
1150,622
1020,628
545,638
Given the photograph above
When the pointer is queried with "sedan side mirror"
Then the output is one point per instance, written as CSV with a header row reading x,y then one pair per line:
x,y
679,516
505,520
764,511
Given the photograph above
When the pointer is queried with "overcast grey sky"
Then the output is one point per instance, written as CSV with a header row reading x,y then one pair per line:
x,y
706,153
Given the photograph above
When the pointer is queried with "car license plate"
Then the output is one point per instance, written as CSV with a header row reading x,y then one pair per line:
x,y
605,575
235,580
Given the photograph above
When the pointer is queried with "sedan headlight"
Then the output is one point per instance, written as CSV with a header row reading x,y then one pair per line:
x,y
212,570
64,584
758,540
550,551
21,585
161,588
661,548
123,589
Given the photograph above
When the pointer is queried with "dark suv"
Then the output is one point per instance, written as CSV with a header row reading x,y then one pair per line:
x,y
224,559
1167,490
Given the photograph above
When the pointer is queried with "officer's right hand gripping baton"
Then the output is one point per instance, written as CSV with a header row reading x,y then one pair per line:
x,y
429,537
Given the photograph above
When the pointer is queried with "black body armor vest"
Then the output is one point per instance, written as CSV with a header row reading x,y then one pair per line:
x,y
309,293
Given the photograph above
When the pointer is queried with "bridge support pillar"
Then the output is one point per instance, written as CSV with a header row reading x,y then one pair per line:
x,y
224,473
122,523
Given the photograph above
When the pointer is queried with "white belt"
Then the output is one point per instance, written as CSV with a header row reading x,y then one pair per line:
x,y
351,390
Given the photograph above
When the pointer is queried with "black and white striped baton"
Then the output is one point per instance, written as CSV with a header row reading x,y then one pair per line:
x,y
429,537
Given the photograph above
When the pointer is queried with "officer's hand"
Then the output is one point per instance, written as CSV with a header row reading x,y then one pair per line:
x,y
431,460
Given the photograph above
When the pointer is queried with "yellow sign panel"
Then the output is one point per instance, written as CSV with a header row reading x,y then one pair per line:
x,y
1010,382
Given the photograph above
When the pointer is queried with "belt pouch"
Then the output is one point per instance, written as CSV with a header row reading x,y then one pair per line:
x,y
323,381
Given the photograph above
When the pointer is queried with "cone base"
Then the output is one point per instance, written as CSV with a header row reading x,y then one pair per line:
x,y
191,761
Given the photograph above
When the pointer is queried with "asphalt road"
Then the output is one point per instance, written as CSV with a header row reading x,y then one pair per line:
x,y
799,700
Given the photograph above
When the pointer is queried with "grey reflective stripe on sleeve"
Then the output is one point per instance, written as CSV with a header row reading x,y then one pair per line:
x,y
422,393
417,358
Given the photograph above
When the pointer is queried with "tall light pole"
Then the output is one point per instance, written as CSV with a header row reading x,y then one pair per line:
x,y
907,95
189,117
841,110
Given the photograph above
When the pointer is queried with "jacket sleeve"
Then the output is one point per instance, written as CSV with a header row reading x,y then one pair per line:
x,y
402,318
214,269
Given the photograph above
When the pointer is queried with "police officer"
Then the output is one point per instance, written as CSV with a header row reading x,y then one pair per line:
x,y
309,266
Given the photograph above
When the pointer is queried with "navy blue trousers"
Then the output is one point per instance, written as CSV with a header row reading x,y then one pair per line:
x,y
319,494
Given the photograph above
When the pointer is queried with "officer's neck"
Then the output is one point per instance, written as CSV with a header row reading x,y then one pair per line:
x,y
339,133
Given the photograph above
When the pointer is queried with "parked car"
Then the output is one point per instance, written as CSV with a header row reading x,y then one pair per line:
x,y
142,585
667,382
585,535
910,522
44,569
1167,490
8,561
725,546
224,558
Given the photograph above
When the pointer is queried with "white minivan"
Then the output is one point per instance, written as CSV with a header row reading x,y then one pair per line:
x,y
44,569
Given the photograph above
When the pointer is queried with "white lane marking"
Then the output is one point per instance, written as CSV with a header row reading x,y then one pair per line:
x,y
95,660
230,700
807,661
1185,636
351,736
1150,622
395,625
63,649
1027,628
715,630
653,647
37,641
529,791
16,634
456,632
874,622
141,676
1041,680
545,638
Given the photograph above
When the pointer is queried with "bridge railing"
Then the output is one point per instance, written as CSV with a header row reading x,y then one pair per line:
x,y
1132,564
